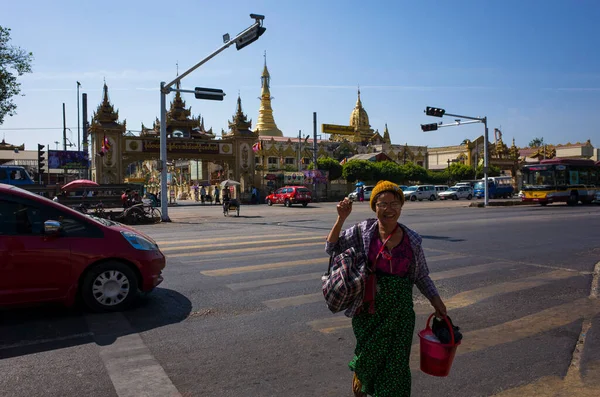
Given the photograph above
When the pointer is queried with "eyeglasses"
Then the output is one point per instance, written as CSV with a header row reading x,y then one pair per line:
x,y
395,205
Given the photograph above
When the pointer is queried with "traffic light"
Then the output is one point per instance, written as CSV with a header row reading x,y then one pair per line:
x,y
212,94
429,127
249,37
41,159
435,112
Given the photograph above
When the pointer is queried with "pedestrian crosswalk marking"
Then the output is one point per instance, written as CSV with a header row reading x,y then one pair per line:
x,y
244,250
247,243
460,300
267,266
203,239
274,281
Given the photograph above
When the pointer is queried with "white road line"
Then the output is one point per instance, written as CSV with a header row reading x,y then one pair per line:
x,y
41,341
129,363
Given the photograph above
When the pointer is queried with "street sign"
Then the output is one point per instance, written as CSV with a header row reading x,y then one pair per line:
x,y
249,37
337,129
211,94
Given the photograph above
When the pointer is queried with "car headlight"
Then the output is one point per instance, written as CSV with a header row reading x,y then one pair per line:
x,y
138,242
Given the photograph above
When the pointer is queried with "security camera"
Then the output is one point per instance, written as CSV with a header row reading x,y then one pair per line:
x,y
257,17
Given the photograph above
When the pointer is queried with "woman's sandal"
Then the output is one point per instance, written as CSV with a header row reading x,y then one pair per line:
x,y
357,387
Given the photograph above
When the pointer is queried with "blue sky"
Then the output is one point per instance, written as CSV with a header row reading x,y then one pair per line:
x,y
532,67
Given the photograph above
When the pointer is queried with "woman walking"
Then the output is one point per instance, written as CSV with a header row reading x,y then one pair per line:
x,y
383,320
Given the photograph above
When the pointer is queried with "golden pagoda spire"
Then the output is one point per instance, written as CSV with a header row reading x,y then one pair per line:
x,y
386,135
266,124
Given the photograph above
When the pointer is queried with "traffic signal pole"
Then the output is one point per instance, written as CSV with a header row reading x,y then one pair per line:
x,y
243,39
436,112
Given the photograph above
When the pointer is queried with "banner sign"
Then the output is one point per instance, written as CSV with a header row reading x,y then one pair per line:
x,y
67,159
181,147
337,129
315,176
293,178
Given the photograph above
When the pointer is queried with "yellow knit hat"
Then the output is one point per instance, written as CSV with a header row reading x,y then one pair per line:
x,y
385,186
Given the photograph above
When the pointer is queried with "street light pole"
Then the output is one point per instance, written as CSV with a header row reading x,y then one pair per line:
x,y
485,162
241,40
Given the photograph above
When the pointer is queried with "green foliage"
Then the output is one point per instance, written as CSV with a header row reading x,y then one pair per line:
x,y
536,142
12,60
332,165
459,172
493,171
389,171
437,177
359,170
413,173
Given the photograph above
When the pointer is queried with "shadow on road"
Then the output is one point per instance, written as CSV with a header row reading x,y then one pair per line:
x,y
26,331
445,238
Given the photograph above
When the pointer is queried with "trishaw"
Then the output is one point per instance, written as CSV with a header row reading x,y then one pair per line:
x,y
230,204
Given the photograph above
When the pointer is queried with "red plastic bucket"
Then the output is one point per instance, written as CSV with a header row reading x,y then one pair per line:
x,y
436,357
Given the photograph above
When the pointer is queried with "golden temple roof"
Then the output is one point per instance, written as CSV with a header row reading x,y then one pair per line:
x,y
265,125
359,117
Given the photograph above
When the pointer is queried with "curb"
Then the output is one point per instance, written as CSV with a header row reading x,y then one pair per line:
x,y
501,204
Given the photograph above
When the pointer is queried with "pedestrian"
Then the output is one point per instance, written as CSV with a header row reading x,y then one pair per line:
x,y
254,199
217,199
195,188
202,194
383,318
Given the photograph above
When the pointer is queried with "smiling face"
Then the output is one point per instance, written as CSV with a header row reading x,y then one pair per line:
x,y
388,206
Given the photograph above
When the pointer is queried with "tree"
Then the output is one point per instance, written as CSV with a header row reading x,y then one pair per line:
x,y
12,60
332,165
413,173
459,172
492,171
355,170
389,171
536,142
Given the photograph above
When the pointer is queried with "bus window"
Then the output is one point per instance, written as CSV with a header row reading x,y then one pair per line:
x,y
3,176
561,177
574,177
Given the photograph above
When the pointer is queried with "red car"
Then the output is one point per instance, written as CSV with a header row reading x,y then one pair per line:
x,y
49,252
289,195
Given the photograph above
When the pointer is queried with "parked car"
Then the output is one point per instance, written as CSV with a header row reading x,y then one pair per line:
x,y
49,252
457,192
354,195
289,195
420,192
441,188
597,197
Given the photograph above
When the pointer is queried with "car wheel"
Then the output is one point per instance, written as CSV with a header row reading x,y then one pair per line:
x,y
109,287
304,204
269,202
287,203
413,198
455,197
431,198
469,197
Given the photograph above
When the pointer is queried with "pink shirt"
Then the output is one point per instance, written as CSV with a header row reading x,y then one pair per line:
x,y
396,264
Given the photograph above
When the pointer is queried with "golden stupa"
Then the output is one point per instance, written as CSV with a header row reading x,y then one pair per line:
x,y
265,126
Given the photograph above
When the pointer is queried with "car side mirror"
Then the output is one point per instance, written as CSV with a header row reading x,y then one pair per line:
x,y
52,228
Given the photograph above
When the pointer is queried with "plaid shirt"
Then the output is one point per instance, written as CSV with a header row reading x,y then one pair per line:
x,y
418,272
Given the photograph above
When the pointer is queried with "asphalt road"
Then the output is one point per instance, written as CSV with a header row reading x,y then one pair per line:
x,y
240,312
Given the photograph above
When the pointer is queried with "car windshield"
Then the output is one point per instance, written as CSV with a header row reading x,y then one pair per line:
x,y
103,221
410,189
479,185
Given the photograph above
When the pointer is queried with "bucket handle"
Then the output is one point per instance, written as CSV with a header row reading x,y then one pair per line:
x,y
447,322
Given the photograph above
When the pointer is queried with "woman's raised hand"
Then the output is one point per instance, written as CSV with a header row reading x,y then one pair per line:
x,y
344,208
